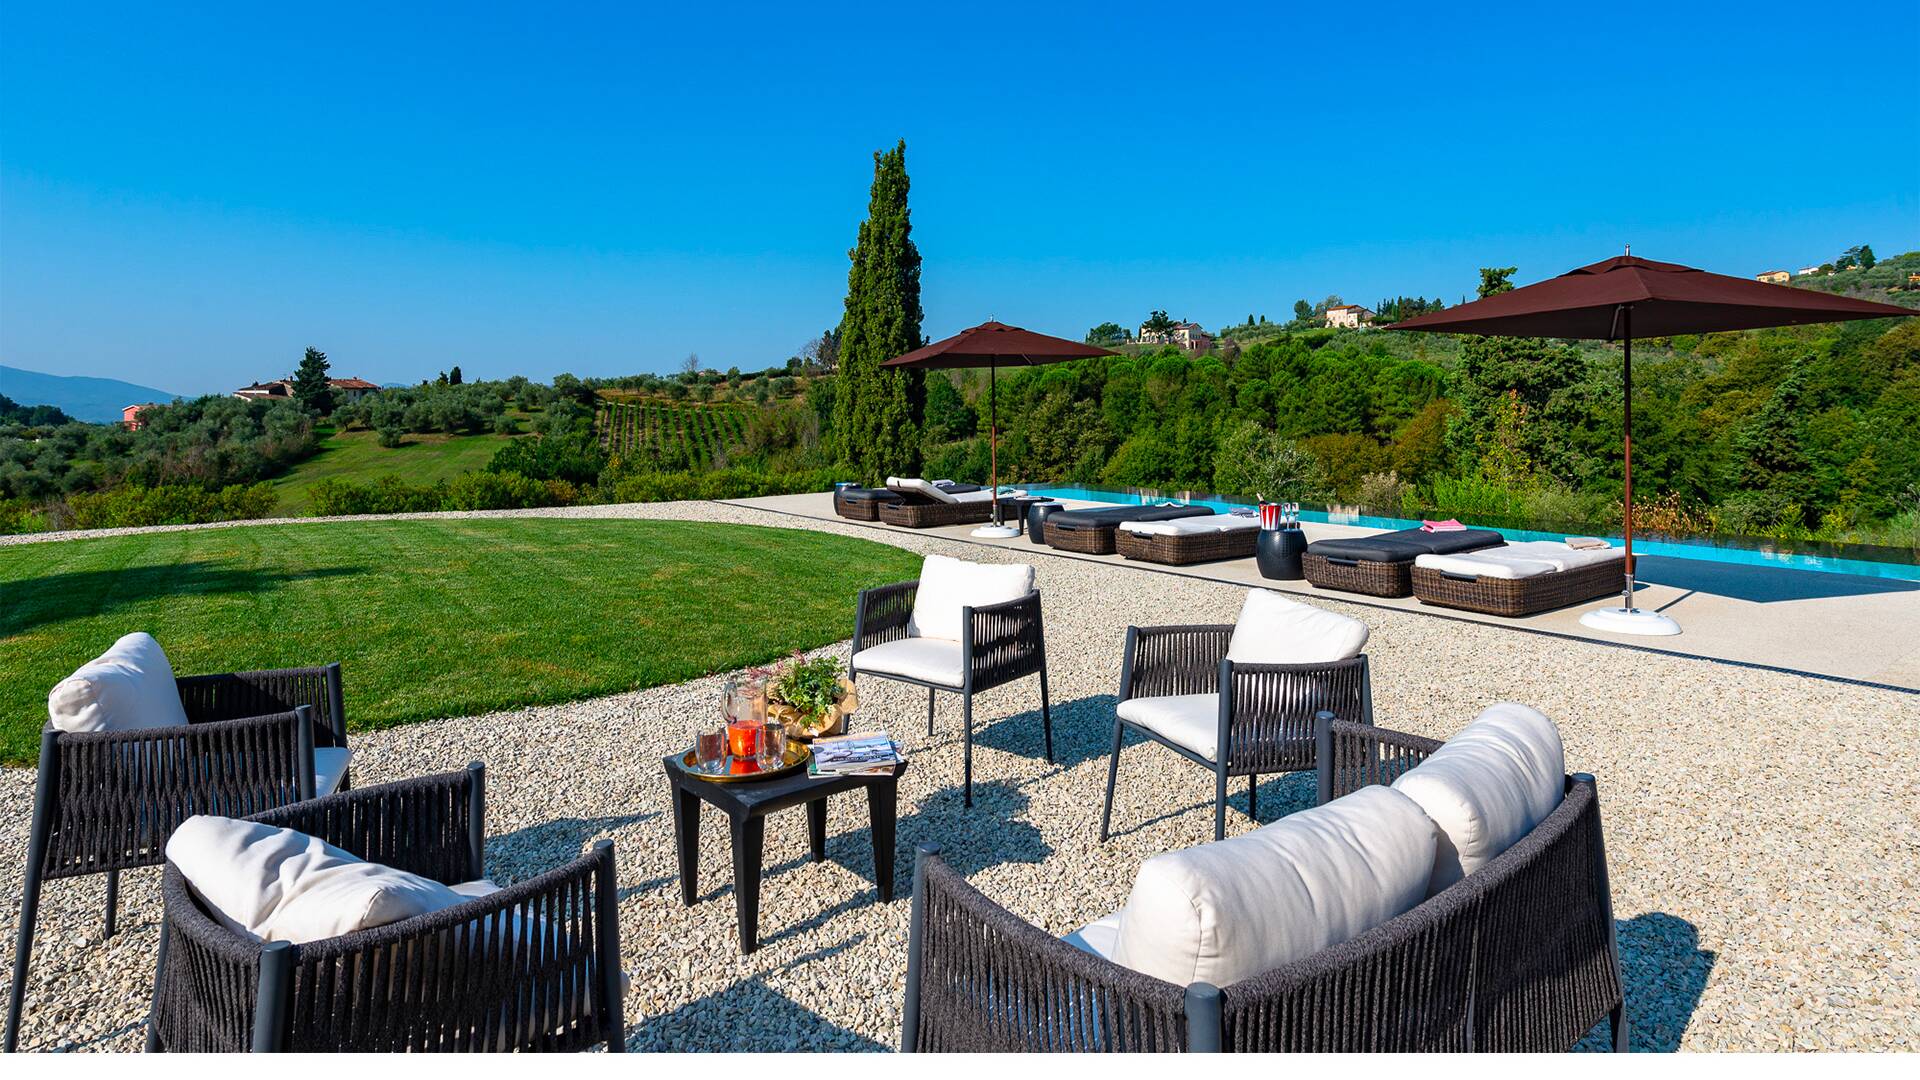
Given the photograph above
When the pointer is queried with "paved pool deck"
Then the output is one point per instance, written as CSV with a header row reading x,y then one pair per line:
x,y
1841,626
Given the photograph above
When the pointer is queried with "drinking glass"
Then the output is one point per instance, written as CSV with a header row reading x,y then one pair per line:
x,y
710,749
773,745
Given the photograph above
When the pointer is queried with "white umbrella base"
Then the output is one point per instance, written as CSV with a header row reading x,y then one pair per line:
x,y
1621,620
996,531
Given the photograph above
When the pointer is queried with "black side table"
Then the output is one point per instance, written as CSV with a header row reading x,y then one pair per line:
x,y
1277,552
1014,511
747,806
1037,515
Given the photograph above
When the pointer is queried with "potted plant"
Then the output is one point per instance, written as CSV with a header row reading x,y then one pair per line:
x,y
811,697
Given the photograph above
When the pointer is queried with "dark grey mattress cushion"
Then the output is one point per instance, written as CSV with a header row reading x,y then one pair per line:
x,y
1405,545
869,495
1111,518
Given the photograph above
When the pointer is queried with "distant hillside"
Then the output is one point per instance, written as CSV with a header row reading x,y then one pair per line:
x,y
97,401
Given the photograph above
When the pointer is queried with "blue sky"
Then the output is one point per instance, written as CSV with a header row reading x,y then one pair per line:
x,y
189,198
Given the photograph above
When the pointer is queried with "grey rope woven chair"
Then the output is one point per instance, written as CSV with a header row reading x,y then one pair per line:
x,y
107,801
534,966
999,643
1518,956
1263,722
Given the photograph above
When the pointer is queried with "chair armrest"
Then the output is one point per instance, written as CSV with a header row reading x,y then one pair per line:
x,y
1004,641
883,613
256,693
1163,660
434,826
1353,755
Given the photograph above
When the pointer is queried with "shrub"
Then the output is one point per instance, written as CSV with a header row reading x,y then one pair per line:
x,y
392,435
1382,490
171,504
1253,462
573,457
494,491
19,516
1475,496
387,495
716,484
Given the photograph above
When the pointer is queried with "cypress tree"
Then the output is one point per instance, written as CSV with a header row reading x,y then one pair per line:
x,y
876,411
310,385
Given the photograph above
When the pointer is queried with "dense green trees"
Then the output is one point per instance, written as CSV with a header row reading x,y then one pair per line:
x,y
876,411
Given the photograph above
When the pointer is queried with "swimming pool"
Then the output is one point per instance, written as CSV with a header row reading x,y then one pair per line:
x,y
1704,550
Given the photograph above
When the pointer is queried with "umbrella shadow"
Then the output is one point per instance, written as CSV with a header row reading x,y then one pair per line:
x,y
79,594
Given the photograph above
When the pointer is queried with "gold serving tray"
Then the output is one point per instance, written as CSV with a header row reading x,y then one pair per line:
x,y
795,758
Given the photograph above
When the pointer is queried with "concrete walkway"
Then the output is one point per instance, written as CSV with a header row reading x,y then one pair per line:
x,y
1836,625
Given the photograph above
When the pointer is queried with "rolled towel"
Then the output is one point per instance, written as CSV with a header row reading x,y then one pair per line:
x,y
1244,511
1586,543
1449,525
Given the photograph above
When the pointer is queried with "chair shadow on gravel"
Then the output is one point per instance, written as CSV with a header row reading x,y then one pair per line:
x,y
1082,730
58,598
749,1015
1280,794
530,850
1666,972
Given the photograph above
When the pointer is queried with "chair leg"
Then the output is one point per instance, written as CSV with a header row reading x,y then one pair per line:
x,y
1113,773
159,982
23,948
113,902
1046,714
1253,798
966,754
1220,803
1622,1034
929,712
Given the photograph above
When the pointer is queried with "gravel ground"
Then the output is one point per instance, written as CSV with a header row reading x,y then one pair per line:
x,y
1760,828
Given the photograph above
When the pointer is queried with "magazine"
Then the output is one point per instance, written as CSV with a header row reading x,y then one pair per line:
x,y
871,754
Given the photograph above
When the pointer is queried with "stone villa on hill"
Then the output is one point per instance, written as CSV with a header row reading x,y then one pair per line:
x,y
1351,316
344,390
1187,335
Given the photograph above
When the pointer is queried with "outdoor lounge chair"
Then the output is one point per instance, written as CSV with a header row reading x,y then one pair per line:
x,y
1188,540
1518,954
532,966
1518,579
923,505
1240,700
962,627
1382,565
154,750
863,504
1091,532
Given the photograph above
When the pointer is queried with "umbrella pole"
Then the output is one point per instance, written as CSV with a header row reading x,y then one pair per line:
x,y
993,438
1626,326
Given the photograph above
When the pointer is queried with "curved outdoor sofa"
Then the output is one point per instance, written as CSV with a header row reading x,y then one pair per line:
x,y
1519,955
532,966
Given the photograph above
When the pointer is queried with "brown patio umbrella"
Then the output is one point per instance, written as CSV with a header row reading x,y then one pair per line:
x,y
993,345
1614,300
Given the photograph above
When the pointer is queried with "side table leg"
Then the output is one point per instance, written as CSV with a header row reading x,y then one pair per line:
x,y
686,842
749,836
881,806
817,829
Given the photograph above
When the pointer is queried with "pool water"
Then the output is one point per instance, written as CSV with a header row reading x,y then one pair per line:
x,y
1703,550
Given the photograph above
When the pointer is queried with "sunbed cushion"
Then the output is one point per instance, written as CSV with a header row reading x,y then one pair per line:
x,y
1531,558
1099,937
1405,545
1487,787
947,585
1225,911
1189,720
1112,516
1199,525
915,485
934,660
869,495
280,885
129,687
1275,630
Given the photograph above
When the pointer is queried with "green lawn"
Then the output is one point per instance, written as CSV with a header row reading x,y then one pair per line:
x,y
358,456
432,618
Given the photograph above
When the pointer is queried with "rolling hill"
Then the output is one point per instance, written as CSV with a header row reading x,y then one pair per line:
x,y
83,397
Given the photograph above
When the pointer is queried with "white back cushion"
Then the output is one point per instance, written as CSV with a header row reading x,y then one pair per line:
x,y
127,688
914,483
1488,787
281,885
947,585
1225,911
1275,630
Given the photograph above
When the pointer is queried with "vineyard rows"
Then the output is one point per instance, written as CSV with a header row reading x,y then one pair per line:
x,y
627,429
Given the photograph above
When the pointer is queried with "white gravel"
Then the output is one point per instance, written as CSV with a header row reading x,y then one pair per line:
x,y
1760,828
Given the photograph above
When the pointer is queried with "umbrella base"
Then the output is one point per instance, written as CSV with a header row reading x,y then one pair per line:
x,y
1638,621
996,531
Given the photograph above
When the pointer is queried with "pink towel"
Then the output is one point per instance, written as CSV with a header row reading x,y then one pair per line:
x,y
1448,525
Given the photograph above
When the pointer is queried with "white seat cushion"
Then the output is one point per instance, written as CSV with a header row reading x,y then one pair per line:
x,y
1211,523
281,885
1099,937
1225,911
1189,720
1275,630
947,585
934,660
329,768
127,688
1531,558
1487,787
475,889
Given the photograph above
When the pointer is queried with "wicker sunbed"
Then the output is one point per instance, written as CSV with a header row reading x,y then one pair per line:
x,y
1382,565
1186,548
1091,532
862,504
918,510
1514,597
